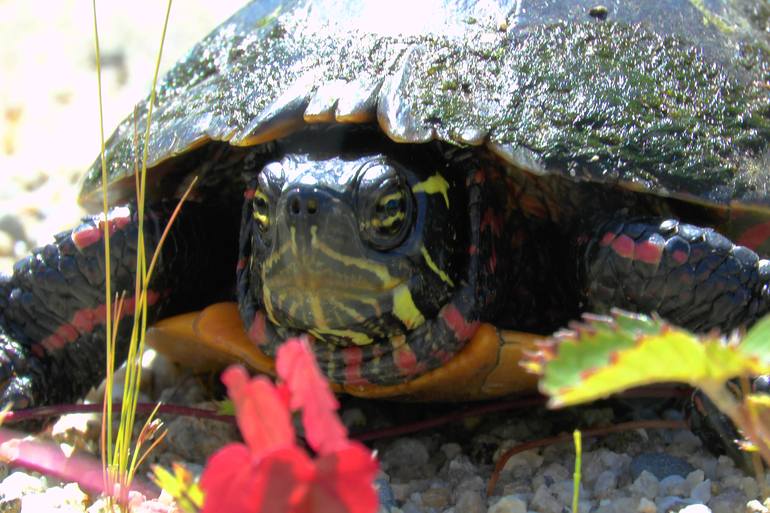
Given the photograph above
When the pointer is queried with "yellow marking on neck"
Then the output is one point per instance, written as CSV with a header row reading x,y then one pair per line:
x,y
268,303
405,309
434,184
318,311
358,338
293,232
441,274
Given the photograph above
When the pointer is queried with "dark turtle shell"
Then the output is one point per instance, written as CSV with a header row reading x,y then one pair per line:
x,y
664,96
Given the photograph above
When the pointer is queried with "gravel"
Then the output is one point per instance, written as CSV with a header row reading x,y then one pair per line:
x,y
48,135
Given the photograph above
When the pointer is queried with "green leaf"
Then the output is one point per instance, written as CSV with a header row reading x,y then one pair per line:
x,y
606,355
757,340
226,407
181,486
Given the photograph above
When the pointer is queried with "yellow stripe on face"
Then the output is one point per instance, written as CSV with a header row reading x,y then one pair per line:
x,y
378,270
388,221
392,196
405,309
436,184
441,274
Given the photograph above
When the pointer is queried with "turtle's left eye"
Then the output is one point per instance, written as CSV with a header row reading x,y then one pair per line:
x,y
385,206
261,210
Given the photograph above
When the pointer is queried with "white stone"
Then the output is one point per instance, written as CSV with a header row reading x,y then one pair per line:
x,y
509,504
702,492
545,502
470,501
646,506
695,508
646,485
605,483
19,484
754,506
674,485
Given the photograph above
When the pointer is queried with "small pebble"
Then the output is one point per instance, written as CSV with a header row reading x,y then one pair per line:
x,y
729,501
702,492
671,502
451,450
646,485
660,465
544,502
605,484
695,508
405,453
754,506
673,485
436,498
508,504
646,506
19,484
470,502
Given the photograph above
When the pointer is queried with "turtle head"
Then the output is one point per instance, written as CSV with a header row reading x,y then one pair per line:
x,y
383,252
353,248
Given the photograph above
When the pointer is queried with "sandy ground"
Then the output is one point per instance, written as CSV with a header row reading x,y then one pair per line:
x,y
49,121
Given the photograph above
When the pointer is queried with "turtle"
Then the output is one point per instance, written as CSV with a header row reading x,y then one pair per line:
x,y
421,195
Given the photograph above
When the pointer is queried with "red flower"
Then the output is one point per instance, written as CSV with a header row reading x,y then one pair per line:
x,y
270,473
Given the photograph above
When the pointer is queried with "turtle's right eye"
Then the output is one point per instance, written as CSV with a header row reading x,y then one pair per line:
x,y
261,210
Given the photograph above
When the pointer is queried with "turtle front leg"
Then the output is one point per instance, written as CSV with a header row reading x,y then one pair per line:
x,y
691,276
52,309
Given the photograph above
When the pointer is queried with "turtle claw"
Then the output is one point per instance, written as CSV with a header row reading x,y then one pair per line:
x,y
716,430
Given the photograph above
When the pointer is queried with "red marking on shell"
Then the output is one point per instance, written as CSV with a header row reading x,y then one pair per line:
x,y
241,264
85,320
473,250
755,236
623,246
248,194
649,252
256,331
607,239
462,329
492,221
587,374
353,357
88,234
680,256
405,360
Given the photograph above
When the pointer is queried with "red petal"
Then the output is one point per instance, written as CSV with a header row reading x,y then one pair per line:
x,y
235,482
297,367
262,413
324,431
344,482
227,480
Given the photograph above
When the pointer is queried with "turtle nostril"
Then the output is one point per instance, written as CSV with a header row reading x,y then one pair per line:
x,y
312,206
295,206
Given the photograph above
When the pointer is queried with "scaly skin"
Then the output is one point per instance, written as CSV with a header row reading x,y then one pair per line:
x,y
52,307
690,275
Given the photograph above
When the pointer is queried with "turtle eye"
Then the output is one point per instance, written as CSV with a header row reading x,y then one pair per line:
x,y
261,210
385,207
